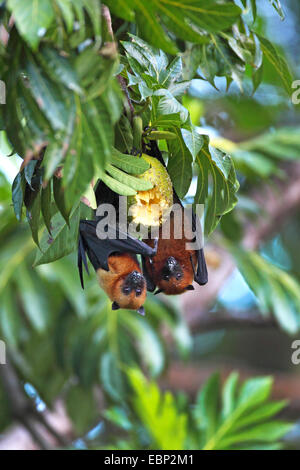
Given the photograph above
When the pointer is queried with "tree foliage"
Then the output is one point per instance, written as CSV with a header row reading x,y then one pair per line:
x,y
80,77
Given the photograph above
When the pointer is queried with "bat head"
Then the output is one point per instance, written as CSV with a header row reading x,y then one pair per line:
x,y
172,269
131,291
175,278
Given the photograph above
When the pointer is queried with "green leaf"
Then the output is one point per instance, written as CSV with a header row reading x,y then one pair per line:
x,y
67,13
167,121
167,104
207,406
179,89
212,162
10,321
53,156
150,27
207,61
33,18
281,144
178,24
246,415
29,170
172,72
49,97
142,58
18,194
46,206
130,164
189,20
206,14
192,139
229,395
33,216
179,164
276,4
262,413
110,376
118,417
161,135
277,291
228,65
135,183
117,187
79,163
59,69
93,8
59,198
278,62
121,9
63,240
154,60
123,135
148,343
34,304
98,132
158,413
255,391
81,406
113,100
267,432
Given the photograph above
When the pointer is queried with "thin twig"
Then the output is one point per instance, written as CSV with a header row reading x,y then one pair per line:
x,y
107,18
123,85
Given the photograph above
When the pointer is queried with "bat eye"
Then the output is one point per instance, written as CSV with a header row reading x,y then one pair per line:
x,y
178,276
166,277
126,290
138,292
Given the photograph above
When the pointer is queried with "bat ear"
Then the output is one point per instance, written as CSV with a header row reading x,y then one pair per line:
x,y
141,311
158,291
190,287
115,306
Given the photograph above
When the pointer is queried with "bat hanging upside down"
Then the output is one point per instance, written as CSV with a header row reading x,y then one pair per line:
x,y
116,264
174,267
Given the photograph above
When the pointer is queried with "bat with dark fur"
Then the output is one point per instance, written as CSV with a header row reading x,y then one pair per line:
x,y
174,267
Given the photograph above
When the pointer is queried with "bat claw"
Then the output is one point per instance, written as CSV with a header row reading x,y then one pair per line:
x,y
158,291
190,287
136,152
115,306
141,311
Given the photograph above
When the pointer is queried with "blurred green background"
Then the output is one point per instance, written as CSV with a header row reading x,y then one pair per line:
x,y
75,371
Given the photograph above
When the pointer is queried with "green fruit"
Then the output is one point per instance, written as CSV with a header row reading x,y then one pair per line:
x,y
151,207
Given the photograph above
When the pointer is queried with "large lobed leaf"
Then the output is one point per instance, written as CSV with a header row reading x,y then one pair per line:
x,y
220,196
188,19
276,290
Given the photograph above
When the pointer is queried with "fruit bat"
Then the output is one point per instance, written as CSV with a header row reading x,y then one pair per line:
x,y
115,261
174,267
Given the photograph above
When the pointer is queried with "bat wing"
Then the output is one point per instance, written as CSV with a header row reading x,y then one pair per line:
x,y
81,259
98,251
150,284
200,276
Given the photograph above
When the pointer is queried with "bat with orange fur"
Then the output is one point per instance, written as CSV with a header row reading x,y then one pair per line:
x,y
174,267
114,260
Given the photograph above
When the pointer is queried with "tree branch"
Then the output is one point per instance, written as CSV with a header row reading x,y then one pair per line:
x,y
223,319
24,411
